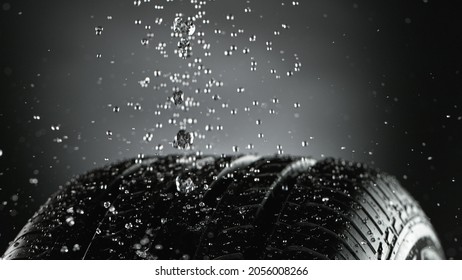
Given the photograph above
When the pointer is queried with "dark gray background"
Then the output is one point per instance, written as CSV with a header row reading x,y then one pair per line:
x,y
380,83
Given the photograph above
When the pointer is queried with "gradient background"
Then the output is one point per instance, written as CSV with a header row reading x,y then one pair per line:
x,y
380,83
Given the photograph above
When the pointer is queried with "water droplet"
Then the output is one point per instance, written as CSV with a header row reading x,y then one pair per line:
x,y
305,143
253,65
64,249
184,43
185,185
107,204
183,139
70,221
148,137
76,247
178,97
99,30
236,149
182,27
145,41
145,83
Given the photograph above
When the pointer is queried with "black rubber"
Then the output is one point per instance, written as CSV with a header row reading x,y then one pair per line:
x,y
246,207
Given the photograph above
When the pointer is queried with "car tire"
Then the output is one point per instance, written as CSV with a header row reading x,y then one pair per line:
x,y
241,207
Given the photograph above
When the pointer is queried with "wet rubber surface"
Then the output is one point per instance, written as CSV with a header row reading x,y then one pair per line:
x,y
241,207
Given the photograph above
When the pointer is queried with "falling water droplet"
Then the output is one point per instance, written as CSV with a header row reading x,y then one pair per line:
x,y
99,30
183,139
178,97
